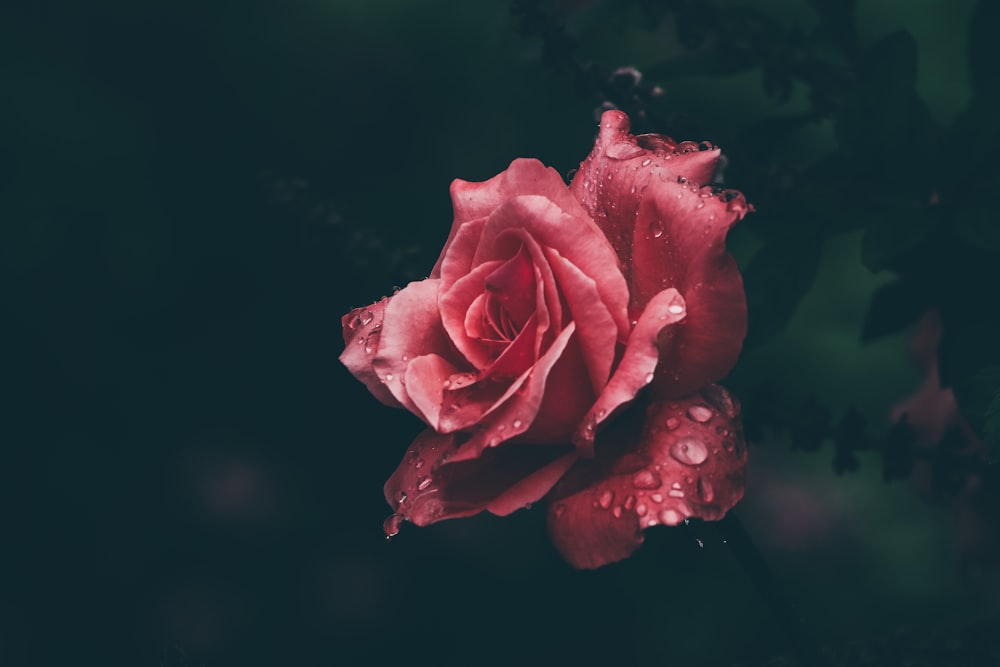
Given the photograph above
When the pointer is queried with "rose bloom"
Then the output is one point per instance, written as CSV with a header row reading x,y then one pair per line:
x,y
564,348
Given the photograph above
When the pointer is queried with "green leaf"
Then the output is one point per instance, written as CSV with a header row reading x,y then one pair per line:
x,y
897,230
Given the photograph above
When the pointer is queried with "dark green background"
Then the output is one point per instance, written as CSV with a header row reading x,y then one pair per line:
x,y
193,193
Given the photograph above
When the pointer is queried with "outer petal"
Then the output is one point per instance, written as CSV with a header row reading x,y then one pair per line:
x,y
412,328
362,331
524,176
669,232
688,463
427,488
636,369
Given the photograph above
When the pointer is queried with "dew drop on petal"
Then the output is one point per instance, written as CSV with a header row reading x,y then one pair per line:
x,y
675,309
676,493
656,229
689,451
646,479
388,377
423,483
629,502
517,423
705,490
617,511
641,509
411,456
673,423
671,517
656,497
645,163
649,377
400,497
606,499
391,525
699,413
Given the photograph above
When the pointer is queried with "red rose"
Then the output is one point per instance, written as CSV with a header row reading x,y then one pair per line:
x,y
552,310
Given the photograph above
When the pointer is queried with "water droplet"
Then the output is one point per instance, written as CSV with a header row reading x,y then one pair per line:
x,y
645,163
705,146
676,309
656,497
646,479
411,456
689,451
366,317
629,502
419,464
361,340
705,490
601,413
388,377
641,509
675,493
656,229
649,377
617,511
671,517
560,509
405,358
682,180
400,497
423,483
701,545
700,413
606,499
517,423
672,423
391,525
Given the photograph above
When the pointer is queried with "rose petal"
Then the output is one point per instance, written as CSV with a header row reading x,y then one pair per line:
x,y
511,414
513,284
411,328
577,239
669,232
596,328
362,331
427,487
691,256
688,463
472,201
454,304
636,369
612,180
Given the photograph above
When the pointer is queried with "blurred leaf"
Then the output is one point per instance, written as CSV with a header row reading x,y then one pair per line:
x,y
885,121
978,397
776,279
896,231
984,48
976,219
893,306
703,64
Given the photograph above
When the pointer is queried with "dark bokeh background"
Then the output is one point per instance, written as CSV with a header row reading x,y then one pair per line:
x,y
193,193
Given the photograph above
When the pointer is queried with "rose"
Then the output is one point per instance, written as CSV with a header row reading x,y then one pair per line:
x,y
556,348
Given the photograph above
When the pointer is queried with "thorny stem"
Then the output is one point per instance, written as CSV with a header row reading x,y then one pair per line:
x,y
804,644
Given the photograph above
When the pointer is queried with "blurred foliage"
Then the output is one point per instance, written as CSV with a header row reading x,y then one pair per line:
x,y
192,193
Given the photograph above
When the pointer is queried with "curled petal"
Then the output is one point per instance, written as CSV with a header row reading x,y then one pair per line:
x,y
362,333
688,463
637,367
411,328
427,487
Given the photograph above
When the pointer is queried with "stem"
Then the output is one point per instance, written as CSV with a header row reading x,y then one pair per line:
x,y
804,644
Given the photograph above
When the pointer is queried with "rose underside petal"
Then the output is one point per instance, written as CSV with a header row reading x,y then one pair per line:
x,y
688,462
513,286
426,488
